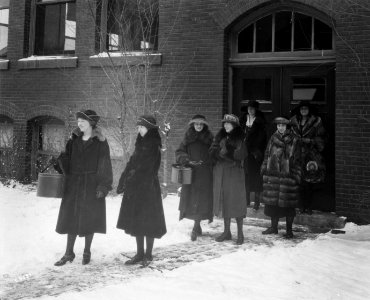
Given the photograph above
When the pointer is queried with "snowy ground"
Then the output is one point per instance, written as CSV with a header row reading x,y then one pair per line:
x,y
313,266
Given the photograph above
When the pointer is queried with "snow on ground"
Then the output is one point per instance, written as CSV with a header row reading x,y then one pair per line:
x,y
327,267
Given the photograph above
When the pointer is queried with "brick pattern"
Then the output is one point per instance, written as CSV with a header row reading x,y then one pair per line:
x,y
194,50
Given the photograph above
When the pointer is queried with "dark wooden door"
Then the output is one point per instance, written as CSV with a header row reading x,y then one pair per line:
x,y
278,89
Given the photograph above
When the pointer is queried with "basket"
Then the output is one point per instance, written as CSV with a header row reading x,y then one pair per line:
x,y
181,174
50,185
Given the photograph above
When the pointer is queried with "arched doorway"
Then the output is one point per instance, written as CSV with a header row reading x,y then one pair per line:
x,y
280,55
45,138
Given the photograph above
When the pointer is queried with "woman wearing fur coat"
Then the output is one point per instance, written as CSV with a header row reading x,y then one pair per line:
x,y
196,198
228,152
141,214
87,167
281,170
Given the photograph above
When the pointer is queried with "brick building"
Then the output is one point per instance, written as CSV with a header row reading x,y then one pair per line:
x,y
230,51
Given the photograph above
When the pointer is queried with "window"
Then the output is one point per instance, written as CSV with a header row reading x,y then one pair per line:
x,y
4,21
131,25
309,88
55,27
6,132
285,31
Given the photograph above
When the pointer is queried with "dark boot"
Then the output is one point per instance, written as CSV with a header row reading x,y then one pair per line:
x,y
289,228
248,198
69,255
197,230
87,252
239,223
274,227
257,197
148,257
139,252
226,235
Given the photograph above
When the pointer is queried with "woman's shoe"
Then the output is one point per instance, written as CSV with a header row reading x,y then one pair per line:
x,y
224,236
136,259
289,235
86,258
193,235
240,239
65,259
270,230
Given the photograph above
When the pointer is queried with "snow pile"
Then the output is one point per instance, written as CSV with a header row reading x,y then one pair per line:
x,y
328,267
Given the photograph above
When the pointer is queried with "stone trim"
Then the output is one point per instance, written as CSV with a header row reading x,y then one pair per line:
x,y
47,62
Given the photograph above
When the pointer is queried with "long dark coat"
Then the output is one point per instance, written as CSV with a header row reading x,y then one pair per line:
x,y
313,130
255,140
281,170
229,194
88,169
196,198
141,211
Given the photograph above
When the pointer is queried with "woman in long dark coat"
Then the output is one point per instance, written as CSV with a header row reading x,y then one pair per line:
x,y
228,152
141,213
281,170
196,198
253,123
311,133
88,179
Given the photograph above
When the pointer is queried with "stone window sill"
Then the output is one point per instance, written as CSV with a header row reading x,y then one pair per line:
x,y
118,59
47,62
4,64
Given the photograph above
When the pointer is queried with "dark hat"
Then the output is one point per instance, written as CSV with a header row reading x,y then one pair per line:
x,y
304,103
230,118
148,121
198,119
251,103
88,115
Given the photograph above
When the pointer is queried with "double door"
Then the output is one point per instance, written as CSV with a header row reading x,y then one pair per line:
x,y
278,89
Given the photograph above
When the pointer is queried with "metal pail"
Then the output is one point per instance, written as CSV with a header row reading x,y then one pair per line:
x,y
181,174
50,185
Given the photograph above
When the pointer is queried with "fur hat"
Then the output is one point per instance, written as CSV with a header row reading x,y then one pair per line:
x,y
88,115
148,121
251,103
230,118
198,119
281,120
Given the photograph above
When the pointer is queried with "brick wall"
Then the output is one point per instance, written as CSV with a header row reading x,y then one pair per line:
x,y
193,46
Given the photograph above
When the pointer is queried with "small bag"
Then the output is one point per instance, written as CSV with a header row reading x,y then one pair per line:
x,y
181,174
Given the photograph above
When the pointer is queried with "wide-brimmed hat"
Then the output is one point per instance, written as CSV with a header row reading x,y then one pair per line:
x,y
148,121
230,118
311,107
88,115
281,120
251,103
198,119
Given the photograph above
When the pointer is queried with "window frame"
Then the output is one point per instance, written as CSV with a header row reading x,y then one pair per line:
x,y
7,26
313,55
102,43
33,17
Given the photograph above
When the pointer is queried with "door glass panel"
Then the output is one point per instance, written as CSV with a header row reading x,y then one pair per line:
x,y
309,88
302,32
257,89
264,34
245,40
323,36
283,31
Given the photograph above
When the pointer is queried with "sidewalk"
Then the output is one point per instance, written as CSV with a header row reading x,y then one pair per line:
x,y
111,270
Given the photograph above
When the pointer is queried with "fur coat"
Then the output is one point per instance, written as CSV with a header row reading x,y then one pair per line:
x,y
196,198
228,153
312,142
281,170
88,169
141,212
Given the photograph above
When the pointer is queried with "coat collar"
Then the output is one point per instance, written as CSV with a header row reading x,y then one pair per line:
x,y
96,133
191,136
